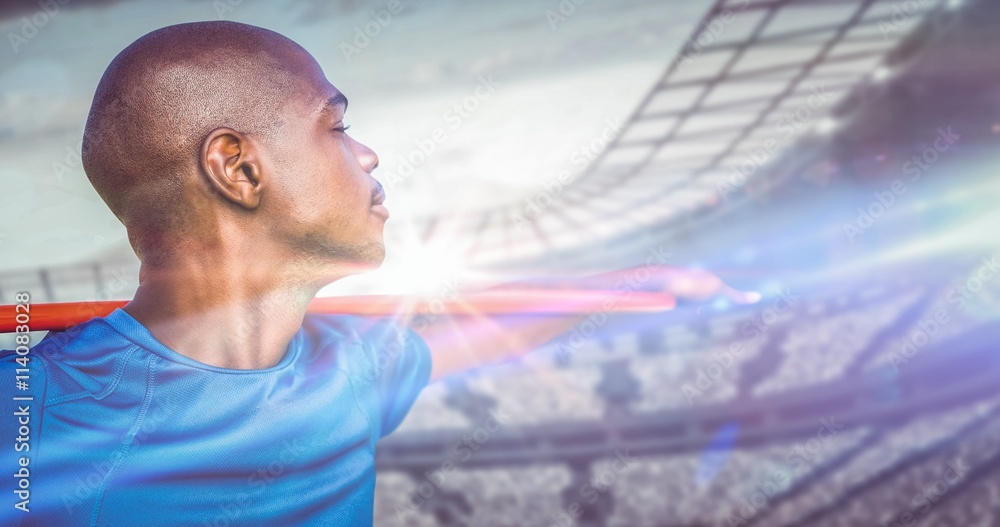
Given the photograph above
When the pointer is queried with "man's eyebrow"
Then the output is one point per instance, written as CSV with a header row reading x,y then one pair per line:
x,y
333,102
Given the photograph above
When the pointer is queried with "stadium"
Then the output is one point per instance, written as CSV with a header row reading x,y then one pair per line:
x,y
835,155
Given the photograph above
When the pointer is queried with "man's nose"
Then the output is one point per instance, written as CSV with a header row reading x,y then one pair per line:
x,y
367,157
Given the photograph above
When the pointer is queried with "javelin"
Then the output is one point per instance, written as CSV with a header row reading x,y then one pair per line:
x,y
63,315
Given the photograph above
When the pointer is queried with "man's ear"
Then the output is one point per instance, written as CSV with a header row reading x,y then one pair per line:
x,y
231,164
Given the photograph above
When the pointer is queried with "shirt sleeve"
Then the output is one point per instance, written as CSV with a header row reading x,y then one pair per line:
x,y
401,367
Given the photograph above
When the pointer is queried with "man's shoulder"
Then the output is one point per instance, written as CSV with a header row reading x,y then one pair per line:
x,y
78,360
372,335
331,322
85,342
353,327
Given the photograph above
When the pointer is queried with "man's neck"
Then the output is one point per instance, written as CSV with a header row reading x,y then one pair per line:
x,y
233,320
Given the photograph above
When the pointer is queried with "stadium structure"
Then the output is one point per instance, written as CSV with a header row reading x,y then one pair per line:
x,y
862,390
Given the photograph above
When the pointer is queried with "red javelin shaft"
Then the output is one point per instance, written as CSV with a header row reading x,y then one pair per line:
x,y
62,315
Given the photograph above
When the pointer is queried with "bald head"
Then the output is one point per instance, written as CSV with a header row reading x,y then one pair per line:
x,y
219,139
160,97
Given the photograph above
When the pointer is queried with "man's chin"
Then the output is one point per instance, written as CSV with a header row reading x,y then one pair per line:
x,y
338,260
366,258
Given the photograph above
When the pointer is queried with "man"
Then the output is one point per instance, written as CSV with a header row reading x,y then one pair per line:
x,y
211,398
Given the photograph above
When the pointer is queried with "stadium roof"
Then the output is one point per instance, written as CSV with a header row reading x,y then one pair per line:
x,y
753,78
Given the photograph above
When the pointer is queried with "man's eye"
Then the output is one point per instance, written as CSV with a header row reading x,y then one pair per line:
x,y
342,128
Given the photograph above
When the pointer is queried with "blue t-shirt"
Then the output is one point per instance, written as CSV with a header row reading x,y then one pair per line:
x,y
125,431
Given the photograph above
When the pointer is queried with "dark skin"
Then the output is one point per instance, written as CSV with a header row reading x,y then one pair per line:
x,y
272,220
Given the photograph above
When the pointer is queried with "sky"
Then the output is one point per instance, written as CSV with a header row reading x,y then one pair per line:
x,y
533,81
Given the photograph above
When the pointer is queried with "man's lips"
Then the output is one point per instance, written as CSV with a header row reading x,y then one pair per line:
x,y
380,210
377,198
